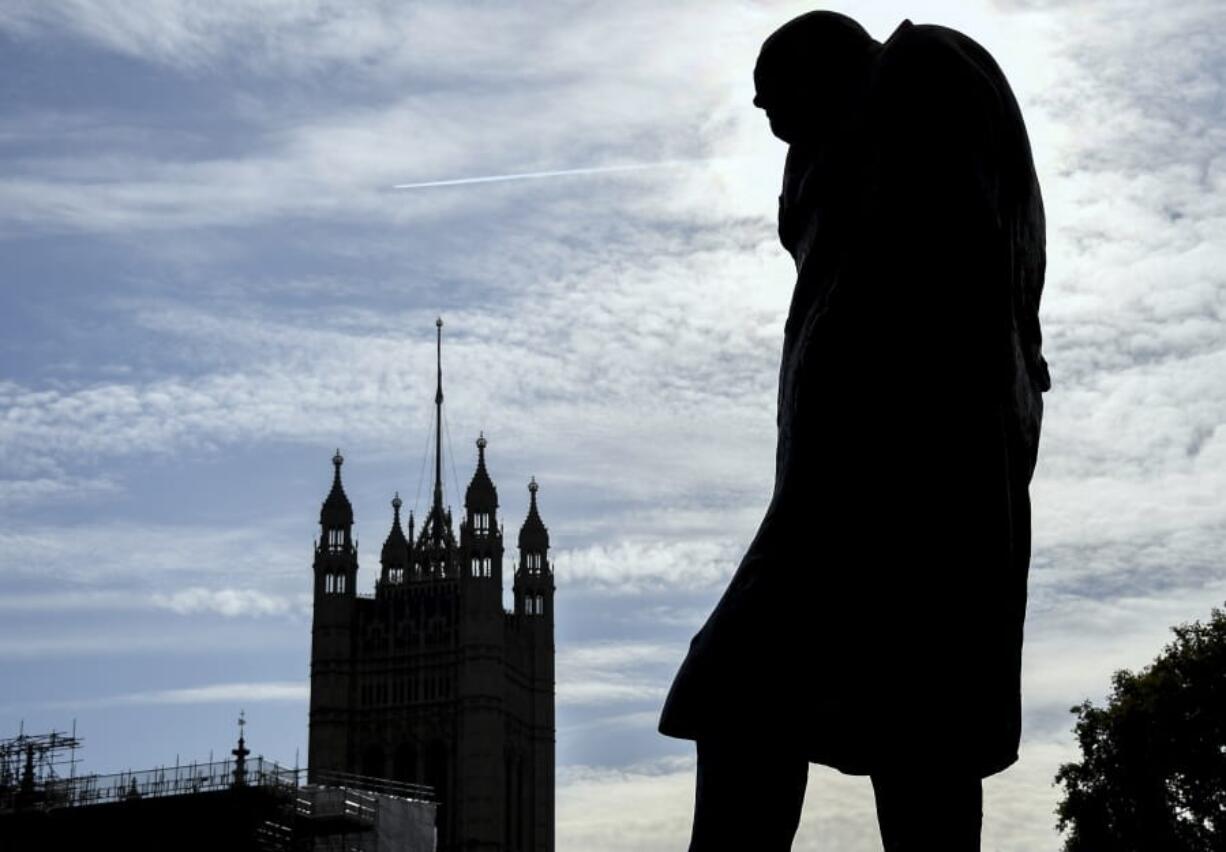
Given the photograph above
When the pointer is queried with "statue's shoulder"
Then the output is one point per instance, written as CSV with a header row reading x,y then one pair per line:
x,y
918,57
934,89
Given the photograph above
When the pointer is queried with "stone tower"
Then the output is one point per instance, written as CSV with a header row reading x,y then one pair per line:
x,y
430,680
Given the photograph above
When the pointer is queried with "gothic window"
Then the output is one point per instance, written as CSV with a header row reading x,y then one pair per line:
x,y
328,578
336,539
540,604
487,567
533,563
476,566
481,523
339,587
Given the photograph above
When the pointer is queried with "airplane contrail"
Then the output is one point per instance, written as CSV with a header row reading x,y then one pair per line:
x,y
590,170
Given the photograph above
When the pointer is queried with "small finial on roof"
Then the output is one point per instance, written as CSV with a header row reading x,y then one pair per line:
x,y
338,459
397,502
481,442
532,486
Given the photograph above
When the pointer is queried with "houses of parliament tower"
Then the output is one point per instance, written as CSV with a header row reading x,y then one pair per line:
x,y
430,680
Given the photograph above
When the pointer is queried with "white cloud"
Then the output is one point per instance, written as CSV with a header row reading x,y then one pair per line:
x,y
602,674
217,693
633,567
20,493
229,602
65,641
637,808
224,693
154,559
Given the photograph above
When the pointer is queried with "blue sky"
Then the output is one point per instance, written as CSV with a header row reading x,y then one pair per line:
x,y
209,284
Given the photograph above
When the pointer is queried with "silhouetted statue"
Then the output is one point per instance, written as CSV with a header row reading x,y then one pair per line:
x,y
875,622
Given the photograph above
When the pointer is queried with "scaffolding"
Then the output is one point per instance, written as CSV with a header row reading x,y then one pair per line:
x,y
31,762
40,790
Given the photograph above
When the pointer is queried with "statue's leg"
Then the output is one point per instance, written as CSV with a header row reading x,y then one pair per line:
x,y
923,809
748,795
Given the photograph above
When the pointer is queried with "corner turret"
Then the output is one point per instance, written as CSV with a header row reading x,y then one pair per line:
x,y
480,534
534,577
336,552
396,549
336,513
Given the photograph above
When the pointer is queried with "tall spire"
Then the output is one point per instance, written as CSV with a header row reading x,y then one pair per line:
x,y
438,435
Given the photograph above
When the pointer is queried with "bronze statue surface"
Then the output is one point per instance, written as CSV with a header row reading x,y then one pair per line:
x,y
876,618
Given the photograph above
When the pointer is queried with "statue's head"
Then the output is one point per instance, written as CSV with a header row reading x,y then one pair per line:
x,y
810,73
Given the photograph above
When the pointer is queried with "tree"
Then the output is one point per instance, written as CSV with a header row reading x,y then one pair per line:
x,y
1152,777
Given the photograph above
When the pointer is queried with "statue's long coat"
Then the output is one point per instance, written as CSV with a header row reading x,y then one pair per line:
x,y
876,618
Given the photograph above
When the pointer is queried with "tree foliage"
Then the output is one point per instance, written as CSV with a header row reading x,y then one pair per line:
x,y
1152,777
